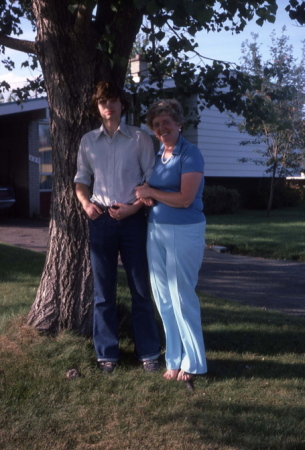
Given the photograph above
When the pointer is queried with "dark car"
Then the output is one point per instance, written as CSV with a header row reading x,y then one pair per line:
x,y
7,197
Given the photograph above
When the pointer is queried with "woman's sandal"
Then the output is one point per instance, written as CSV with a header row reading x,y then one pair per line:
x,y
187,378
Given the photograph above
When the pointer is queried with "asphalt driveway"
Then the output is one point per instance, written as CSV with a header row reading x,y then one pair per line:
x,y
265,283
271,284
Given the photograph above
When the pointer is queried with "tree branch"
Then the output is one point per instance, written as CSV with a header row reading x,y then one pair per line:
x,y
18,44
200,56
84,16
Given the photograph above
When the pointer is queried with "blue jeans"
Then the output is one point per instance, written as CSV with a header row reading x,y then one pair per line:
x,y
108,238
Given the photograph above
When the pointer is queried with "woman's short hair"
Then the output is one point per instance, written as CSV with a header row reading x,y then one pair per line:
x,y
169,107
106,90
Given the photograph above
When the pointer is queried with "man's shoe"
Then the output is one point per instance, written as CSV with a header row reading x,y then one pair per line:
x,y
106,366
152,365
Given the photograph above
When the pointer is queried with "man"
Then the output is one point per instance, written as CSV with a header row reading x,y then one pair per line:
x,y
117,157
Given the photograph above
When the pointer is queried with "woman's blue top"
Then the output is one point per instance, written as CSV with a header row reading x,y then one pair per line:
x,y
167,177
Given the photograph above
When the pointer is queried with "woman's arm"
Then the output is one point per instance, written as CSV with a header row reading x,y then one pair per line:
x,y
190,183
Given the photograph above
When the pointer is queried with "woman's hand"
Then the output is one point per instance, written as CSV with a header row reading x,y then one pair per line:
x,y
143,192
190,183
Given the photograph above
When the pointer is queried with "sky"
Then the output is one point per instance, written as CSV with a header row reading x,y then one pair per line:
x,y
17,77
223,46
227,47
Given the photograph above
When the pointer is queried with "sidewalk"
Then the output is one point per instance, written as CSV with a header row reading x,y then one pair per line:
x,y
28,234
271,284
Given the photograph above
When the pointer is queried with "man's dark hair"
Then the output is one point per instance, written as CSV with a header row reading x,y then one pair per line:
x,y
106,90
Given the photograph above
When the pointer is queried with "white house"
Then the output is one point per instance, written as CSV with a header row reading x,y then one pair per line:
x,y
25,155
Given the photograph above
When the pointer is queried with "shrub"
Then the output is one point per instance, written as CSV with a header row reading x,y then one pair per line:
x,y
284,195
220,200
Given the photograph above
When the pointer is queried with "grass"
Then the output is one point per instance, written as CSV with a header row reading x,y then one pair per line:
x,y
251,398
250,232
20,272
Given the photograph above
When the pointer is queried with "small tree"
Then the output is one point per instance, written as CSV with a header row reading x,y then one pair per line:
x,y
273,108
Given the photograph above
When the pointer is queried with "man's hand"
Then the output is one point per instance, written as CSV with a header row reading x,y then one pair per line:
x,y
83,195
148,201
120,211
92,211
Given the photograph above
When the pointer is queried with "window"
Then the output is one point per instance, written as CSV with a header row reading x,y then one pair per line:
x,y
45,153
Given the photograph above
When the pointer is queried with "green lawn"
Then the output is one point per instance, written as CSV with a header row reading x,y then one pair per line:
x,y
280,236
251,398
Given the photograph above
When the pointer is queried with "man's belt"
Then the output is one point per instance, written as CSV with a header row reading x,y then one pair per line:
x,y
105,209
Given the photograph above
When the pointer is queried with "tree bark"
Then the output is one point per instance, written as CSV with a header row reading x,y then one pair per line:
x,y
20,45
72,65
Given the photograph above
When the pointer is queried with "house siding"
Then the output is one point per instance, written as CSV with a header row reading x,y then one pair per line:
x,y
220,146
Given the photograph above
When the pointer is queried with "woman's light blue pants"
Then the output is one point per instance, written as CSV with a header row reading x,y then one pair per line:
x,y
175,254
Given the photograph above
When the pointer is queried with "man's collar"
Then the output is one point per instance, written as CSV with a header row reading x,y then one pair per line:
x,y
123,128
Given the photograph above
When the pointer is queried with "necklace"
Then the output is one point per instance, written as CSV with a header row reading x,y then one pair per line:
x,y
165,160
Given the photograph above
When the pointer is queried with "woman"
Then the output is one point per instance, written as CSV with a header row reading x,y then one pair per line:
x,y
175,241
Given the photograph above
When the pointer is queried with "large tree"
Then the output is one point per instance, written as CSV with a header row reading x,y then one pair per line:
x,y
79,43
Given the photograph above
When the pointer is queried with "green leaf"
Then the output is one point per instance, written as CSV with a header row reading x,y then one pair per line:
x,y
160,35
140,4
73,8
171,4
260,22
152,7
204,15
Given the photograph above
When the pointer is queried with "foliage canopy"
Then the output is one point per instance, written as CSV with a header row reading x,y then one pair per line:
x,y
170,28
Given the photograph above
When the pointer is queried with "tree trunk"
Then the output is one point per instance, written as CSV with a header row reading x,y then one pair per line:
x,y
71,66
271,191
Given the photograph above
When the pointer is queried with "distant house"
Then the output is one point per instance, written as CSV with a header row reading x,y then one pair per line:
x,y
221,148
25,155
26,161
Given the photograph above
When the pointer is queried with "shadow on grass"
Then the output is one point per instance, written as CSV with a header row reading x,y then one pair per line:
x,y
231,327
240,425
220,369
16,263
261,342
13,309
